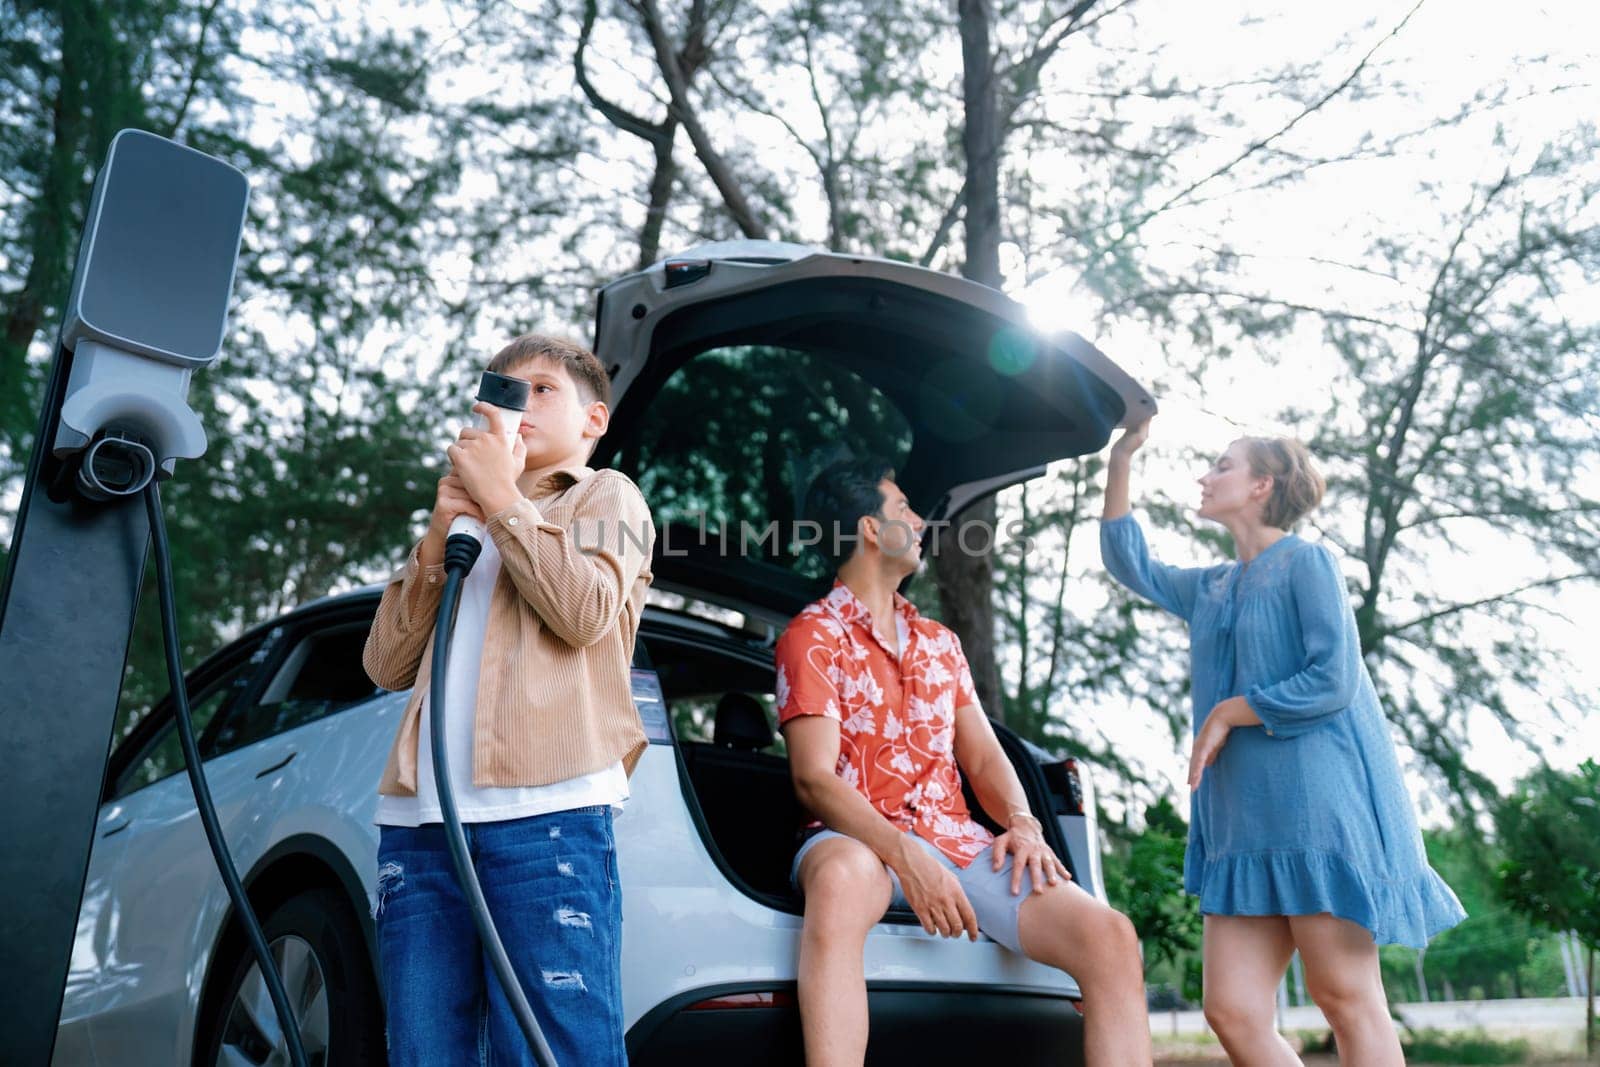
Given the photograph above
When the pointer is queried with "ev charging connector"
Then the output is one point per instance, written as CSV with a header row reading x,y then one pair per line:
x,y
126,418
461,549
510,397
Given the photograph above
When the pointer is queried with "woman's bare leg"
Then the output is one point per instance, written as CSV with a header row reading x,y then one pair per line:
x,y
1342,975
1245,956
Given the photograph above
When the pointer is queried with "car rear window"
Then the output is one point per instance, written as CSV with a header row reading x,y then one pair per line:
x,y
737,432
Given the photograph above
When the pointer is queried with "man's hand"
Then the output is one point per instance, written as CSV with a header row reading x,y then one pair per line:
x,y
1029,853
933,892
1235,711
487,464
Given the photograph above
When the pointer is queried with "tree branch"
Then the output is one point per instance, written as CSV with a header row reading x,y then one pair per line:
x,y
618,116
717,168
1277,134
1214,293
952,215
1454,609
194,71
1024,74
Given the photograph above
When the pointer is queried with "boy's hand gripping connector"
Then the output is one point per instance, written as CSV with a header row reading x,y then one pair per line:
x,y
510,395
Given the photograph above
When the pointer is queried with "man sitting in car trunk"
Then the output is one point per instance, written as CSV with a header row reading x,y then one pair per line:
x,y
877,706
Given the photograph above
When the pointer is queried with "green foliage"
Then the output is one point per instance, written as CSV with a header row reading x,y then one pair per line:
x,y
1434,1046
1550,831
1483,955
1144,880
1494,953
1437,1046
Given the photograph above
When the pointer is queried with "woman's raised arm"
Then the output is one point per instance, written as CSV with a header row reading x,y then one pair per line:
x,y
1116,502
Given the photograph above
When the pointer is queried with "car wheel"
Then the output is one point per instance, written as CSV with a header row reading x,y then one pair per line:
x,y
320,952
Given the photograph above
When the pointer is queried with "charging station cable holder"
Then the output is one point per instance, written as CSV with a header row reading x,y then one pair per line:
x,y
147,308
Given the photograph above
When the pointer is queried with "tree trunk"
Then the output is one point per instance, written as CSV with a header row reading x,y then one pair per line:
x,y
60,186
661,135
666,173
980,143
966,598
966,580
717,169
1588,1011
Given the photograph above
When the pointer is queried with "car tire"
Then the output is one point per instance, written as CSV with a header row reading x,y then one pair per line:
x,y
322,955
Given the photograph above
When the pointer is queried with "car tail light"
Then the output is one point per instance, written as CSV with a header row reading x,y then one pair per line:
x,y
774,999
683,271
1063,780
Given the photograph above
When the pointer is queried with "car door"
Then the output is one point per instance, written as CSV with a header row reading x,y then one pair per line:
x,y
255,746
91,944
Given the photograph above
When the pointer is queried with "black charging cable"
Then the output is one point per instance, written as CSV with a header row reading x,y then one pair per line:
x,y
460,553
202,794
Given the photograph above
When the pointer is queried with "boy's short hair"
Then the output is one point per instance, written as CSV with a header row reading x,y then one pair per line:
x,y
839,497
582,365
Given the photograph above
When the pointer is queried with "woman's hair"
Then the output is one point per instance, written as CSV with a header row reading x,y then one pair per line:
x,y
1297,485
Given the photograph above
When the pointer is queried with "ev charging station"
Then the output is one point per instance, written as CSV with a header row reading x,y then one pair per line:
x,y
148,307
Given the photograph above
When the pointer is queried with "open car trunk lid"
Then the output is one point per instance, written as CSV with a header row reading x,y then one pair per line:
x,y
739,368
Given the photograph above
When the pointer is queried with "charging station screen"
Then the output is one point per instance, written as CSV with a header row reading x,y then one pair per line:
x,y
165,238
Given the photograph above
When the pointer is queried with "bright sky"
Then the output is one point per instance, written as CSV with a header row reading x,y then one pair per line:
x,y
1447,51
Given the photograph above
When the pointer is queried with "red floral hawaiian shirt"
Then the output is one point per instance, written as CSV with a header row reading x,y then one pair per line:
x,y
896,716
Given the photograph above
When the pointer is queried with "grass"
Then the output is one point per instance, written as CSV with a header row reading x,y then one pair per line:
x,y
1472,1047
1435,1046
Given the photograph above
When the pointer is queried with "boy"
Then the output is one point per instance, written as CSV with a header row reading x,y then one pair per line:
x,y
877,707
542,732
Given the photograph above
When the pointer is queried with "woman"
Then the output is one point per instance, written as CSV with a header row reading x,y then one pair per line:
x,y
1301,834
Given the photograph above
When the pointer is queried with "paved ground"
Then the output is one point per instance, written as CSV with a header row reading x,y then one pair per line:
x,y
1554,1027
1491,1015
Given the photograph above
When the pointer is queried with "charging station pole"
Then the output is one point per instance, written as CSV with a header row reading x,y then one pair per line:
x,y
148,306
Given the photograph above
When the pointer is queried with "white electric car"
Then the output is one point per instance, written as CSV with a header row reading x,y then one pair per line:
x,y
733,366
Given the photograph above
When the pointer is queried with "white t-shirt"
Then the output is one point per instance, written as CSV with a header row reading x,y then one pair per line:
x,y
608,785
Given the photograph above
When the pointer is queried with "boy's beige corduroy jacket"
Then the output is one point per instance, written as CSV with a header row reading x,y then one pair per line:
x,y
554,699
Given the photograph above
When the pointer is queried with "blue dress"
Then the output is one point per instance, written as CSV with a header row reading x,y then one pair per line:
x,y
1306,813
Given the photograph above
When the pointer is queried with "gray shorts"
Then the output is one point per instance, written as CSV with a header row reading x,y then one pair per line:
x,y
988,890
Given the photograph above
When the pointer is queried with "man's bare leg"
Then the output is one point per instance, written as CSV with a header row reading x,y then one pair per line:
x,y
847,890
1067,928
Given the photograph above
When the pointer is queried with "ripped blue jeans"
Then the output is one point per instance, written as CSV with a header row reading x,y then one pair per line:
x,y
551,885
